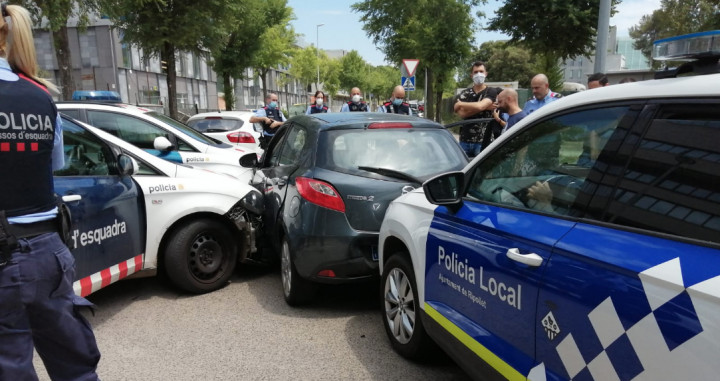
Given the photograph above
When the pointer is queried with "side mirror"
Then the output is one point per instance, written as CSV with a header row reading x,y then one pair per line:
x,y
127,165
249,160
162,143
445,189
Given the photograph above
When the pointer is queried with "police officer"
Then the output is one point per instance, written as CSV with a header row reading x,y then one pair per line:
x,y
37,304
396,105
318,106
270,117
542,94
356,103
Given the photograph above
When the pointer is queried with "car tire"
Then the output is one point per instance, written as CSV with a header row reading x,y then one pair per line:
x,y
297,291
401,310
200,256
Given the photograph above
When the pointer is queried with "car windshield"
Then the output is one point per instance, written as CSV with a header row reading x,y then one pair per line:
x,y
182,128
420,153
214,124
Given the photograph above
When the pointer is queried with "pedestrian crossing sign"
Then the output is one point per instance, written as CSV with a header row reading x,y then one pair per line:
x,y
408,83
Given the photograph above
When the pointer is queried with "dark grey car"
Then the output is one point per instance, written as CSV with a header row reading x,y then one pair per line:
x,y
328,180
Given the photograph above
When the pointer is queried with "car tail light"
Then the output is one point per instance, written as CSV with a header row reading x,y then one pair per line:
x,y
320,193
327,273
389,125
241,137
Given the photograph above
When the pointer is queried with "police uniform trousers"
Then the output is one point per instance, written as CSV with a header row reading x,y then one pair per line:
x,y
38,306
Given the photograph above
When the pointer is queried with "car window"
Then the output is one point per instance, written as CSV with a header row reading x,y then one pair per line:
x,y
215,124
544,168
416,152
182,128
136,131
85,154
293,145
672,183
75,114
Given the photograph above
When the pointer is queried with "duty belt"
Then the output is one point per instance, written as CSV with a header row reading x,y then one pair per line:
x,y
9,234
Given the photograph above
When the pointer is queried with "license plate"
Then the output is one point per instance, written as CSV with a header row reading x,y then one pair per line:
x,y
374,251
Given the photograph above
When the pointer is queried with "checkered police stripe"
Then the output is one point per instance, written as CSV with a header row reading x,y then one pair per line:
x,y
676,338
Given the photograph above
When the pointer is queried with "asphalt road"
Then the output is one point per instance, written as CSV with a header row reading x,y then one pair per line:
x,y
148,330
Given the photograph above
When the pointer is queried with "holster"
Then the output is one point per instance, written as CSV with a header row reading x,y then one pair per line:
x,y
8,242
64,221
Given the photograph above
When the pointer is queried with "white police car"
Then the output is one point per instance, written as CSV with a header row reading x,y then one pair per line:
x,y
583,244
159,135
133,211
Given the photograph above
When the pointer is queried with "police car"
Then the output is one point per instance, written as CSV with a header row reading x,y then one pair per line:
x,y
159,135
134,212
582,244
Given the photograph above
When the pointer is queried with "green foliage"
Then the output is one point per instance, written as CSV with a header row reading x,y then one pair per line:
x,y
675,18
57,12
560,28
381,81
437,32
304,65
330,70
277,41
505,63
354,72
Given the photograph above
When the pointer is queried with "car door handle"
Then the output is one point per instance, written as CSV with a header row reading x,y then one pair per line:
x,y
531,259
71,198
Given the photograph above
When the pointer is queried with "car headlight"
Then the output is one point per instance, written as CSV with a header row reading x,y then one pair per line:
x,y
253,202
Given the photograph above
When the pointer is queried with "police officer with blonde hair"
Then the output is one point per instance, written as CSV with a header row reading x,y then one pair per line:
x,y
38,307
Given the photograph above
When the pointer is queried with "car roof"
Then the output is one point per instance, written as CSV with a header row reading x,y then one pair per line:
x,y
224,114
334,120
103,106
684,87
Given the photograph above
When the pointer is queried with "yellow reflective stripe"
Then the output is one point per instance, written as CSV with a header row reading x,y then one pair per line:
x,y
501,366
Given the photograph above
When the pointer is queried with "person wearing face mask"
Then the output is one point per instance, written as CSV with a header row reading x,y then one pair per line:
x,y
270,117
477,102
396,105
318,106
356,103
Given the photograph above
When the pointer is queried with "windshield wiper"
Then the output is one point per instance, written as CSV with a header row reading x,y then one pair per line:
x,y
392,173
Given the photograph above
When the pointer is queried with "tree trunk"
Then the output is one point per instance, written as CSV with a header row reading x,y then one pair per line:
x,y
263,79
62,53
229,92
430,101
169,56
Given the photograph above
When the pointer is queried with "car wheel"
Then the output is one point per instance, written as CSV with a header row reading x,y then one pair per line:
x,y
401,310
200,256
297,291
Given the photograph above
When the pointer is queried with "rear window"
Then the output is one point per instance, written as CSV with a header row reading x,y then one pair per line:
x,y
421,153
215,124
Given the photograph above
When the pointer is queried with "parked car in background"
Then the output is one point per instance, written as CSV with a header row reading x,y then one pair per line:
x,y
327,181
159,135
231,127
133,212
584,243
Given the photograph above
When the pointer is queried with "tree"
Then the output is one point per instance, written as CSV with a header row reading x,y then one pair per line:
x,y
231,58
672,19
505,63
57,13
382,80
304,64
437,32
330,69
277,41
166,27
354,72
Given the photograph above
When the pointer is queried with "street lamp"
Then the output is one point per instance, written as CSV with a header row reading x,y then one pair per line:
x,y
317,54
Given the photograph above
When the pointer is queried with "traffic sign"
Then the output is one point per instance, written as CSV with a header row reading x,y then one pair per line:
x,y
408,83
410,66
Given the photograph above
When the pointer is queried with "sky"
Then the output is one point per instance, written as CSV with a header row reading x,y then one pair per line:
x,y
342,28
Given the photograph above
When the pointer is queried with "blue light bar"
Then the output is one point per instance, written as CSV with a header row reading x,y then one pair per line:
x,y
687,47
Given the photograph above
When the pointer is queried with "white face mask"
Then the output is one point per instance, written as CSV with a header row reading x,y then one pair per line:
x,y
356,98
319,101
479,78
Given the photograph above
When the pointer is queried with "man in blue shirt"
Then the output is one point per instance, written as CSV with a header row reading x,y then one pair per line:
x,y
270,116
542,94
356,103
507,103
396,105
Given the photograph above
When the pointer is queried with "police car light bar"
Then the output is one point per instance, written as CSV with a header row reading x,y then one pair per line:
x,y
687,47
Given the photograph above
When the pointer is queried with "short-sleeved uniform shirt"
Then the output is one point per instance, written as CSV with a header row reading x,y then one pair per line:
x,y
474,133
